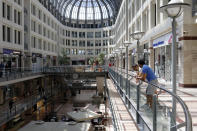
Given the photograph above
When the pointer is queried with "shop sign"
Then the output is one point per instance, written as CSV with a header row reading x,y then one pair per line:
x,y
163,40
7,51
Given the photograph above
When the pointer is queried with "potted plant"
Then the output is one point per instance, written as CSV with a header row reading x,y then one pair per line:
x,y
63,59
91,62
101,61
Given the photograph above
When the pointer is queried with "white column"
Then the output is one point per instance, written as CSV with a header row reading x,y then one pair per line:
x,y
151,56
151,16
142,22
157,11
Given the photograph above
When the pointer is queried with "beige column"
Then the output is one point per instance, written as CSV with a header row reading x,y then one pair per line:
x,y
188,48
151,56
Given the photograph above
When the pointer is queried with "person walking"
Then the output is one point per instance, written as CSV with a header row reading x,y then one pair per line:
x,y
11,102
148,74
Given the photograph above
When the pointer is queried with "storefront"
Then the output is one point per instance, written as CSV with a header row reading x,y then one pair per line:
x,y
11,58
36,61
162,56
54,60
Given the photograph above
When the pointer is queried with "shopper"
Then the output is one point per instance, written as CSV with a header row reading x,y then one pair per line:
x,y
148,74
11,102
1,69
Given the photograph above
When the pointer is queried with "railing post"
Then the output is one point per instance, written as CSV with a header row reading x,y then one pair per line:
x,y
129,94
154,112
138,104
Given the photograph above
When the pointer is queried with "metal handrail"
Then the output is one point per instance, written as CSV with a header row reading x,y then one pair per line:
x,y
188,119
114,118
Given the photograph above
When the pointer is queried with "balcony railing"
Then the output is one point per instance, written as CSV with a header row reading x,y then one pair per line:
x,y
16,73
160,117
73,69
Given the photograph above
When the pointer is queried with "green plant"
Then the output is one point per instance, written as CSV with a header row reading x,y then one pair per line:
x,y
91,61
63,60
101,59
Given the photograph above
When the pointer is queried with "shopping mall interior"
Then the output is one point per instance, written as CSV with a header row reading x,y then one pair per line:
x,y
98,65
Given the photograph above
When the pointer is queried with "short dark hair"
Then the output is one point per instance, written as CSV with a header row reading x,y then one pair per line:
x,y
134,65
141,62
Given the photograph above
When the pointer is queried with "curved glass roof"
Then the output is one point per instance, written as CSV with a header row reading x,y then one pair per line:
x,y
87,9
83,10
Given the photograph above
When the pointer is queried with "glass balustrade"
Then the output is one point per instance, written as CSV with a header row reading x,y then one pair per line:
x,y
159,117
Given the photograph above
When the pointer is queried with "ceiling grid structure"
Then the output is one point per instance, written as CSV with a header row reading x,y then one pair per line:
x,y
75,12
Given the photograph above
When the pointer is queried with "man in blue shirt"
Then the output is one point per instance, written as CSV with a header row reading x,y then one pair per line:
x,y
147,73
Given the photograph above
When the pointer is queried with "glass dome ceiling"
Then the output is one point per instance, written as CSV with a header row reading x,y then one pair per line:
x,y
88,10
68,11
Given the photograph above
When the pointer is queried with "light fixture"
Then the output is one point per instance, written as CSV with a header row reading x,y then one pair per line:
x,y
174,8
121,47
116,51
137,35
126,43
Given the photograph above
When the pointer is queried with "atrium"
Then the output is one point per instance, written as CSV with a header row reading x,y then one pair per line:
x,y
98,65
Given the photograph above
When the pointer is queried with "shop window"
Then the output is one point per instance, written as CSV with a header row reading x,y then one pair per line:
x,y
44,18
34,42
19,18
97,51
74,34
3,9
33,59
40,44
4,33
39,29
8,34
81,43
39,14
67,42
48,46
89,34
33,9
15,36
74,51
90,52
81,34
74,42
48,20
97,43
98,34
48,34
15,17
8,12
19,2
44,45
68,51
19,37
63,42
68,33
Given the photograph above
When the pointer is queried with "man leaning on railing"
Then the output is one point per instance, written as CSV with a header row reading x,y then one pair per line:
x,y
147,73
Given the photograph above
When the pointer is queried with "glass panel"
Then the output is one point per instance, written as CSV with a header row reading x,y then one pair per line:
x,y
89,9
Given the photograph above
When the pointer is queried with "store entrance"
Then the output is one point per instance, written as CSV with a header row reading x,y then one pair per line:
x,y
162,67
